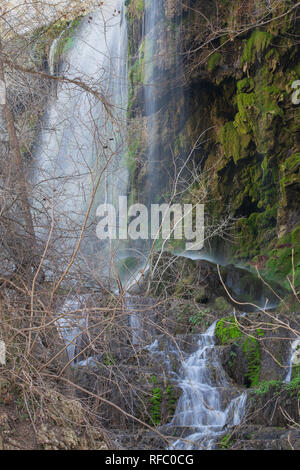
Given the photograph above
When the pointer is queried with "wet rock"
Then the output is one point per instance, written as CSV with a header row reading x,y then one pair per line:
x,y
146,393
222,305
269,352
186,276
278,406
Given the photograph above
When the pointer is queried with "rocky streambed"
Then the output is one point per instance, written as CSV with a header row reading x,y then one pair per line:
x,y
200,375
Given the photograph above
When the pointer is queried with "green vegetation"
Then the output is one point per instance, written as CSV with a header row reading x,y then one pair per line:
x,y
196,319
171,401
268,184
155,412
278,386
140,6
109,360
252,352
264,387
137,70
222,305
66,40
135,9
228,331
282,258
245,85
162,402
44,37
226,442
293,386
258,42
235,144
213,61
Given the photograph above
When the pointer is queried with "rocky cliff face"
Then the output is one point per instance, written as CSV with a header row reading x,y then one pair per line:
x,y
238,66
223,85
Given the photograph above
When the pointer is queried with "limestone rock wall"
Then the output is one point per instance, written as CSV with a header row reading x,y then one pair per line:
x,y
236,93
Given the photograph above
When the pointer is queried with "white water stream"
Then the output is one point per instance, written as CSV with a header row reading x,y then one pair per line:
x,y
294,359
79,153
206,405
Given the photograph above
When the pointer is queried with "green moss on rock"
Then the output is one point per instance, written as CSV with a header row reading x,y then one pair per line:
x,y
213,61
235,144
284,259
43,38
228,331
258,42
222,305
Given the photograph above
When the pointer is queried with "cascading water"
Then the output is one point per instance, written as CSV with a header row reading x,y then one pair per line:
x,y
163,95
153,82
79,154
71,326
81,144
163,91
294,359
134,320
202,406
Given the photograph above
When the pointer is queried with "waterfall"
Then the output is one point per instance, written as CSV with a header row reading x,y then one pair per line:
x,y
141,315
82,140
153,81
163,93
209,403
71,326
135,320
53,53
294,359
206,405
